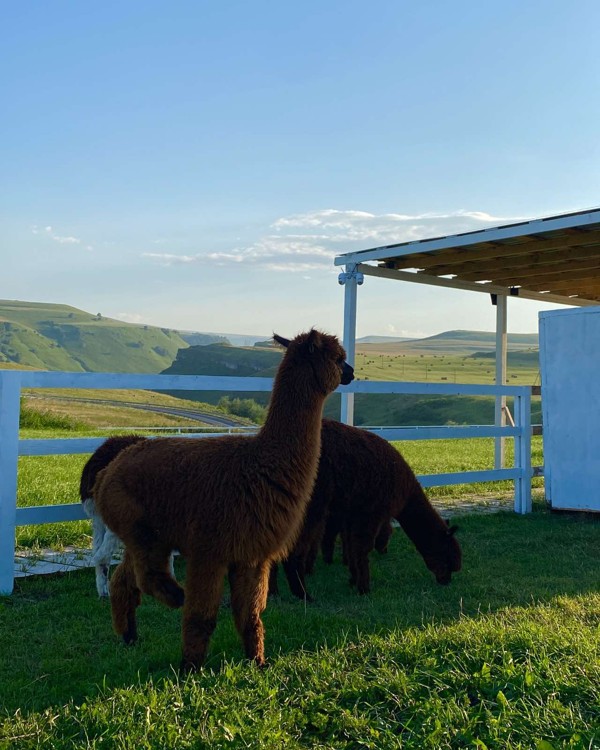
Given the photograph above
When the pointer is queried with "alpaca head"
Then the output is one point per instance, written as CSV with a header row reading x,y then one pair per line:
x,y
446,557
323,354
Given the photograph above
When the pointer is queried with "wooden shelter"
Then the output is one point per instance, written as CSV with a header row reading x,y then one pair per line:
x,y
554,259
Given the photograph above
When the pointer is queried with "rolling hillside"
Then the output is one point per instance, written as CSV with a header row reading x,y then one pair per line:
x,y
451,342
468,357
60,337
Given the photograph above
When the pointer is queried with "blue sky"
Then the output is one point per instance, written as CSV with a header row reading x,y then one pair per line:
x,y
197,165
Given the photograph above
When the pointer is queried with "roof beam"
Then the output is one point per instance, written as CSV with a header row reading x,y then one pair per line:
x,y
582,272
591,286
389,273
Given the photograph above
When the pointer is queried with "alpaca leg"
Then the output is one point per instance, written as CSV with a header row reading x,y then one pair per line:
x,y
203,592
152,561
273,580
332,529
346,545
363,540
311,558
249,587
98,533
349,555
383,537
124,598
312,544
294,570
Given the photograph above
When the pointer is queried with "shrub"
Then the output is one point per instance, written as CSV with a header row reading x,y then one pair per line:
x,y
45,420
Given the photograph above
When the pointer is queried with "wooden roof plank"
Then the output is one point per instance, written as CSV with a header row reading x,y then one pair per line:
x,y
582,274
442,261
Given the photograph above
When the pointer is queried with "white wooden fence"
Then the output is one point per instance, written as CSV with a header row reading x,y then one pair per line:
x,y
11,447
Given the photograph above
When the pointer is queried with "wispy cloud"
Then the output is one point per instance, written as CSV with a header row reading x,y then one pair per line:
x,y
308,242
130,317
61,239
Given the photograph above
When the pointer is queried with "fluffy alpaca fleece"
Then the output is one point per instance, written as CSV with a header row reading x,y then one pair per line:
x,y
362,482
231,505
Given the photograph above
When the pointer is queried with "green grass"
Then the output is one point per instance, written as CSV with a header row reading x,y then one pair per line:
x,y
435,368
507,656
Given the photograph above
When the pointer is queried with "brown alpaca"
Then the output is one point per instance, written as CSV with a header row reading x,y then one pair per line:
x,y
362,482
104,541
230,505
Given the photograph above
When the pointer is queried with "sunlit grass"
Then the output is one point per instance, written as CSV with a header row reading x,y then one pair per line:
x,y
507,656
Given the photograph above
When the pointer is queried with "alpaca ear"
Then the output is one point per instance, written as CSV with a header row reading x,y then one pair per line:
x,y
313,340
281,340
452,530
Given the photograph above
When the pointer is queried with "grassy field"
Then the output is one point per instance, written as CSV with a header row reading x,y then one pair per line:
x,y
91,407
437,368
507,656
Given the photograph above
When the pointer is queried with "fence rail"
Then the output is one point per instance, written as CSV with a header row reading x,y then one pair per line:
x,y
11,447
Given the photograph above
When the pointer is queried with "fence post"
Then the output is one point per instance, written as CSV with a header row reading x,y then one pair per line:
x,y
10,393
523,452
350,280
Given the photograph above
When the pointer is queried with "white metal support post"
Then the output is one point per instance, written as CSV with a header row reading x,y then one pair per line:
x,y
10,392
501,347
350,280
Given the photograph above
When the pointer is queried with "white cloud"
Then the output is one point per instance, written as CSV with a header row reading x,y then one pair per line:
x,y
61,239
328,233
129,317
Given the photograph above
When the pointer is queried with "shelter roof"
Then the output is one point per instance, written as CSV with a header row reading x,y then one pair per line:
x,y
554,259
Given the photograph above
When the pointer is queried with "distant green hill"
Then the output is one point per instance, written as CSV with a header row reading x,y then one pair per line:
x,y
390,409
220,359
452,342
60,337
524,358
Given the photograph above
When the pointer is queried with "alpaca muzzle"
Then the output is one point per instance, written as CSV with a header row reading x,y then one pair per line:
x,y
347,374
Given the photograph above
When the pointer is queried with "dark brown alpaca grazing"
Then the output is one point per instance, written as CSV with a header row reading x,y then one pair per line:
x,y
362,482
230,505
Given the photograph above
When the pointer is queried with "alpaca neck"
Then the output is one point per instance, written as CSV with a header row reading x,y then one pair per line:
x,y
295,412
421,522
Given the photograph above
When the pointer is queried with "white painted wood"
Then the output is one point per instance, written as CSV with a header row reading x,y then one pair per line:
x,y
46,379
350,281
50,514
447,389
9,450
466,477
522,501
501,359
443,432
570,370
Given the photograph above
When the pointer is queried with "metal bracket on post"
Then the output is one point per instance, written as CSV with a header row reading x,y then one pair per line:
x,y
351,275
350,279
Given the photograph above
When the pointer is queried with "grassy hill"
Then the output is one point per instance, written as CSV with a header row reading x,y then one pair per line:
x,y
475,366
452,342
60,337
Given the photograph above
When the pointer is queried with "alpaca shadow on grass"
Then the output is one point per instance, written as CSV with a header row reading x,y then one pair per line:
x,y
63,647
